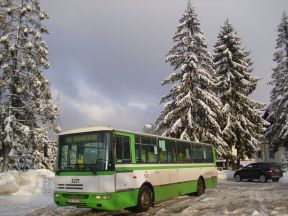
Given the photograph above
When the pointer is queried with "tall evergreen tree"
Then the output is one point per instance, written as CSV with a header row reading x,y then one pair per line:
x,y
278,110
27,109
192,110
243,125
3,28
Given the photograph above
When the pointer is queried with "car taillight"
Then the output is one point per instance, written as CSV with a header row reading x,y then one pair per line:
x,y
269,172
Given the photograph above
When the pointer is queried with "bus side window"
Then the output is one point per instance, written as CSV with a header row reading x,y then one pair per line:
x,y
184,152
171,149
146,150
167,151
197,154
163,155
150,153
123,149
209,154
138,150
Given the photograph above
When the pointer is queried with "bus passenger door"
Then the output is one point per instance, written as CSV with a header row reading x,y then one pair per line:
x,y
124,175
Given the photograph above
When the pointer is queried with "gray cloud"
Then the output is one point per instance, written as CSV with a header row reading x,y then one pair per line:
x,y
116,49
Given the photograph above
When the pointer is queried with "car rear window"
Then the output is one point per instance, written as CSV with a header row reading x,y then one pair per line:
x,y
275,165
271,165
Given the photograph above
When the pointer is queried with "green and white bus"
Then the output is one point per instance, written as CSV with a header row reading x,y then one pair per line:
x,y
110,169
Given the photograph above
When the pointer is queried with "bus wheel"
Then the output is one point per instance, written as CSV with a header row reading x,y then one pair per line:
x,y
200,187
144,199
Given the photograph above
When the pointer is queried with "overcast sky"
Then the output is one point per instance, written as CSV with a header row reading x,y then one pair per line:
x,y
107,57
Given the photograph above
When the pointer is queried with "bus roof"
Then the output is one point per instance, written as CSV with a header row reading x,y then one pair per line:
x,y
97,128
86,129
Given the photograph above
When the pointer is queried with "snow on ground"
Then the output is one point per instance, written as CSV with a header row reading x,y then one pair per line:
x,y
285,177
32,195
232,198
23,192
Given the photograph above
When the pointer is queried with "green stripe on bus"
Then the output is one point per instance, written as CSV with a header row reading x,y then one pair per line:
x,y
101,173
120,200
84,173
161,167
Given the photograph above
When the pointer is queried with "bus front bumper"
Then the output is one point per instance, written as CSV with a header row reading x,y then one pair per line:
x,y
101,201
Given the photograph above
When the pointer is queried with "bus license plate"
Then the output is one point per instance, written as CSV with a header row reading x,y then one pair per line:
x,y
73,201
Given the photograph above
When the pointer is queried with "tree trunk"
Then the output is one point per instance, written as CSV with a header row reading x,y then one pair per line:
x,y
238,159
5,163
227,163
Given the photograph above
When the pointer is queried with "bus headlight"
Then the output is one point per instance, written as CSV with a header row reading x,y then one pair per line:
x,y
106,197
103,197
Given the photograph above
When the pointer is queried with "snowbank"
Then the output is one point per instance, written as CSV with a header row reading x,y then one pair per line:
x,y
8,184
225,175
285,177
30,182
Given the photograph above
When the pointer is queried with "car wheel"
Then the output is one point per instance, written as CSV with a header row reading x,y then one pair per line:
x,y
200,187
144,199
275,179
237,178
263,178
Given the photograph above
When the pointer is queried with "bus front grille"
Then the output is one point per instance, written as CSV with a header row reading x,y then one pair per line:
x,y
77,204
75,196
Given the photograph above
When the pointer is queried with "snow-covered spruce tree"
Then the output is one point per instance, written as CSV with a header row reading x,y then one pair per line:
x,y
243,125
277,133
192,110
27,110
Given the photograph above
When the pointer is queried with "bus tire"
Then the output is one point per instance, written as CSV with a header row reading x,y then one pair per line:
x,y
145,199
200,187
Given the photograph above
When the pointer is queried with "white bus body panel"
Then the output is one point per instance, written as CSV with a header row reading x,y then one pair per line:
x,y
122,181
166,176
95,184
125,181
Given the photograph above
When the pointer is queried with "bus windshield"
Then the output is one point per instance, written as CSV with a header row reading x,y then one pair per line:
x,y
85,152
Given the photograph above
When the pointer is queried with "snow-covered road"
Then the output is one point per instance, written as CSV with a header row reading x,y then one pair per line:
x,y
229,198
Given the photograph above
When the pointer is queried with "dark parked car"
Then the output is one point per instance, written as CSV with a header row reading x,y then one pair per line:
x,y
260,171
